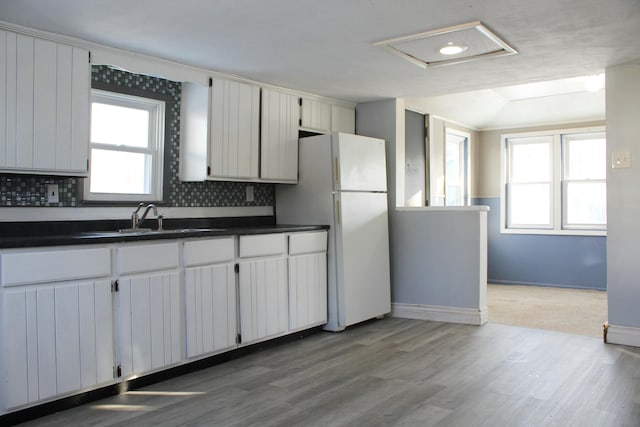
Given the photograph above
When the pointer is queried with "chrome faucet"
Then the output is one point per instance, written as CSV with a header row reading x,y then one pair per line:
x,y
135,221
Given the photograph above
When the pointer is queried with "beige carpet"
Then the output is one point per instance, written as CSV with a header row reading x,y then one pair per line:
x,y
581,312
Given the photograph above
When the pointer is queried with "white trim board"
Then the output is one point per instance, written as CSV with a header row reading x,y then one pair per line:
x,y
469,316
13,214
623,335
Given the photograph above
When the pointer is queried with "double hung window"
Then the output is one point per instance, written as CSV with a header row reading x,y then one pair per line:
x,y
127,139
555,182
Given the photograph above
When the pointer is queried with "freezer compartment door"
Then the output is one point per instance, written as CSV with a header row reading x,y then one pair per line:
x,y
359,163
362,249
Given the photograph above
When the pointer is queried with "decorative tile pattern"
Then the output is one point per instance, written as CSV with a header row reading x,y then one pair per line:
x,y
30,190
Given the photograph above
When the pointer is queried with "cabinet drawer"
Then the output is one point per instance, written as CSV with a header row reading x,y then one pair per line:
x,y
307,243
262,245
23,268
208,251
151,257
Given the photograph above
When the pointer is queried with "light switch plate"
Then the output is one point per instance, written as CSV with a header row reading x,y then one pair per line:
x,y
52,193
620,159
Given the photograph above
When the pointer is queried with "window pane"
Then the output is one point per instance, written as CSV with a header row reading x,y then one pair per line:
x,y
586,158
131,177
530,162
529,204
455,195
586,203
116,125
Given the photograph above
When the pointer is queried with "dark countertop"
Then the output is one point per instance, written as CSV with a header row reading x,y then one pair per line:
x,y
113,236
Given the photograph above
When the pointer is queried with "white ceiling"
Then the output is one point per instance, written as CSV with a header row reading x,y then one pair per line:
x,y
326,46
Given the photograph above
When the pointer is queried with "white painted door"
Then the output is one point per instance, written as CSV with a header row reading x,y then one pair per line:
x,y
279,136
44,106
343,119
234,138
263,298
316,115
56,339
149,329
307,290
210,308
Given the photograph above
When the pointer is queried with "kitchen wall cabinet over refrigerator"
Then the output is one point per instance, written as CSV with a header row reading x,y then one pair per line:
x,y
44,106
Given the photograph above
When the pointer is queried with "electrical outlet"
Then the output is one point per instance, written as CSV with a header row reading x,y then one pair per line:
x,y
249,191
52,193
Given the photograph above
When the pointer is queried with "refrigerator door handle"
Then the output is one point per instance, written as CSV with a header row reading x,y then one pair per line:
x,y
337,173
338,213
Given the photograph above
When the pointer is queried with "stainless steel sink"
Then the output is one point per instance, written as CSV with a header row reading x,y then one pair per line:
x,y
144,232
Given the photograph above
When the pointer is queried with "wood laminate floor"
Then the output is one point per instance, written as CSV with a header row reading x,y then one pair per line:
x,y
395,372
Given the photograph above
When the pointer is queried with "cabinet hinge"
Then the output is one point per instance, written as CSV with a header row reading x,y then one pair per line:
x,y
210,82
239,339
115,286
209,170
236,268
300,121
87,165
117,371
89,57
300,102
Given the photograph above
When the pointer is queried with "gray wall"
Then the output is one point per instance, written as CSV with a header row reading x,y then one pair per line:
x,y
623,196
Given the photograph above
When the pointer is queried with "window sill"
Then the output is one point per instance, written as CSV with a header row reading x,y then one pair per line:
x,y
595,233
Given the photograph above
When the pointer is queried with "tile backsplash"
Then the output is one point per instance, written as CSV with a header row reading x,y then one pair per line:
x,y
31,190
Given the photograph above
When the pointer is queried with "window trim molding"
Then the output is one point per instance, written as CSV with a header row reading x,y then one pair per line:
x,y
466,167
157,129
557,197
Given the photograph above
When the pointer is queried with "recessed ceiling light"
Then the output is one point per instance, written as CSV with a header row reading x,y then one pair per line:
x,y
453,49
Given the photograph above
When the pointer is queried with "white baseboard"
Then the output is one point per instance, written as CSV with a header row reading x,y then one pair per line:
x,y
624,335
469,316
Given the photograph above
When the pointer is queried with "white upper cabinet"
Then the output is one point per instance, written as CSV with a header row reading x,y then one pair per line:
x,y
234,137
316,115
323,117
44,106
279,136
343,119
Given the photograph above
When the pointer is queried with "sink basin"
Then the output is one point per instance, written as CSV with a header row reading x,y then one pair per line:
x,y
144,232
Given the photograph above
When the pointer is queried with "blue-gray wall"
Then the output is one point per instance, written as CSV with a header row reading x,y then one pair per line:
x,y
544,260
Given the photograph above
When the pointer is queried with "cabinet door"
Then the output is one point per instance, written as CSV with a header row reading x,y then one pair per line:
x,y
307,290
343,119
210,308
316,115
263,298
279,136
56,339
234,138
149,326
44,112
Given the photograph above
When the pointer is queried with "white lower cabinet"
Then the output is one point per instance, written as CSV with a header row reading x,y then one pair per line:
x,y
64,330
56,336
262,283
148,308
210,296
307,280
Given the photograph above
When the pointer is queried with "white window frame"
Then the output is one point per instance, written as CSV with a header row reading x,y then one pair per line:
x,y
155,149
557,226
464,167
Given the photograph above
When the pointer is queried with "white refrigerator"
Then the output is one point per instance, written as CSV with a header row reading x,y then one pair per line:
x,y
343,182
